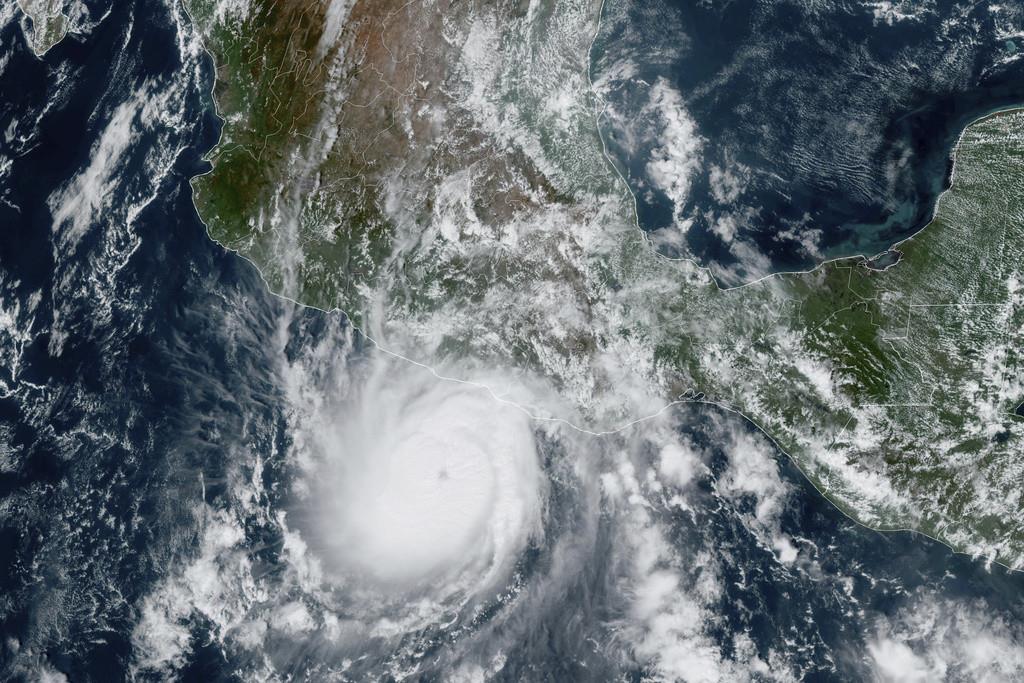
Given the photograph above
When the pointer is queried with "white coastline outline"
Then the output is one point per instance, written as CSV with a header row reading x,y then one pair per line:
x,y
988,560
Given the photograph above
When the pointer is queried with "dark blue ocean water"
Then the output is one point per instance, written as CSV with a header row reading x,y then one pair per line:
x,y
826,127
831,603
163,372
138,362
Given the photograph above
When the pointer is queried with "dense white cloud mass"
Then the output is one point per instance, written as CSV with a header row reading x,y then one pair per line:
x,y
935,639
677,156
413,479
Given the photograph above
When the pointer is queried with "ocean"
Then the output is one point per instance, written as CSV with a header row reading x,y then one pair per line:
x,y
143,387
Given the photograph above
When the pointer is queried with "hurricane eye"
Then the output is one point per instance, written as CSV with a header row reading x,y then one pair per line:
x,y
450,491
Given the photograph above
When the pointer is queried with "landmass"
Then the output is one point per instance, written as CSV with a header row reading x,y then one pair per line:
x,y
435,171
49,24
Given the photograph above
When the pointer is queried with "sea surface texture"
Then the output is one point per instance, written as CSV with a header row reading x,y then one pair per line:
x,y
766,136
545,452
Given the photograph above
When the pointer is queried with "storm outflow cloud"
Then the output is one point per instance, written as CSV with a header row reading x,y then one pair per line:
x,y
416,480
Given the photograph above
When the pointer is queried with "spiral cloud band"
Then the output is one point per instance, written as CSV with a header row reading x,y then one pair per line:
x,y
419,480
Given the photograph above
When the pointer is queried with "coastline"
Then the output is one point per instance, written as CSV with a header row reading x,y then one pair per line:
x,y
818,265
612,430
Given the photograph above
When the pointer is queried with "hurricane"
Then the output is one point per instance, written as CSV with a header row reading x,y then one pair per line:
x,y
413,483
334,345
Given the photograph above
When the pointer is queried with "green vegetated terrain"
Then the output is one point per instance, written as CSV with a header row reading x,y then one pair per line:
x,y
337,116
896,389
49,23
283,180
443,163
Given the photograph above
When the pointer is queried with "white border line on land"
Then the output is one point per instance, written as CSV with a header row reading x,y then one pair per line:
x,y
667,406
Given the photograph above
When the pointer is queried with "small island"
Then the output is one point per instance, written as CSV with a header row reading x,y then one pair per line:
x,y
48,22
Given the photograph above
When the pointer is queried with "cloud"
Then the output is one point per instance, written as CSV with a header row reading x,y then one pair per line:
x,y
935,638
753,474
896,662
676,158
415,479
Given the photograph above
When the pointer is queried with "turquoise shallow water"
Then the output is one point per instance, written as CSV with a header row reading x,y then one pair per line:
x,y
168,381
825,129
